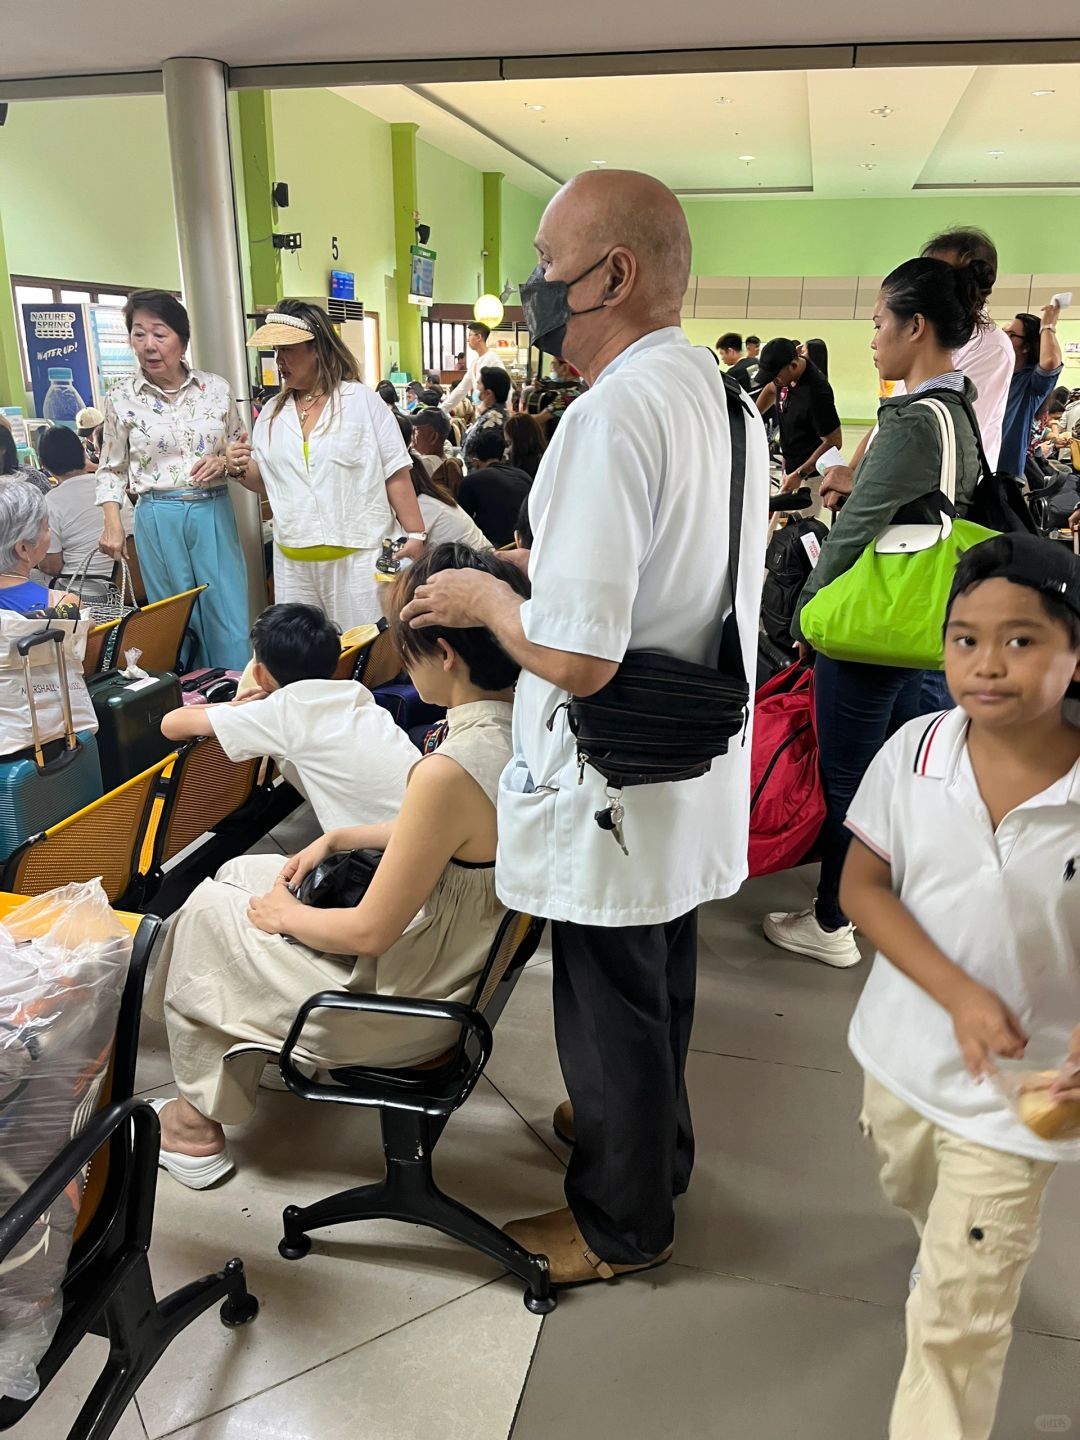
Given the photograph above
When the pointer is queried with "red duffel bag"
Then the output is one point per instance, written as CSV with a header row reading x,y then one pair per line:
x,y
787,802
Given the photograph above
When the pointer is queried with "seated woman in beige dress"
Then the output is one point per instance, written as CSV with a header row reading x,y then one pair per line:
x,y
243,954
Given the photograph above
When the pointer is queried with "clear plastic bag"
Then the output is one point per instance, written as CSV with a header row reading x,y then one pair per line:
x,y
64,958
1028,1094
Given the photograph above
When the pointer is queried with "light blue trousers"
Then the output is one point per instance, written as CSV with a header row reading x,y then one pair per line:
x,y
187,543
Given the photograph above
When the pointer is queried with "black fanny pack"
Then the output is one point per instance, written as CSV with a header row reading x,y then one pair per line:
x,y
660,718
340,881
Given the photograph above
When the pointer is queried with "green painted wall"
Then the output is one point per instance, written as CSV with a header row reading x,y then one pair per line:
x,y
86,191
336,159
861,237
521,214
869,237
450,198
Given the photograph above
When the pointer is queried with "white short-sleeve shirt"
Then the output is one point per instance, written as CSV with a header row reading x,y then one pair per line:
x,y
337,494
629,512
1004,906
331,740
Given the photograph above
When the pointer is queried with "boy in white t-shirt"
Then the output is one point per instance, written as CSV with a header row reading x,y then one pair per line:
x,y
340,749
964,877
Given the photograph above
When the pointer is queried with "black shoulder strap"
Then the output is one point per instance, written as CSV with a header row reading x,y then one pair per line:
x,y
731,657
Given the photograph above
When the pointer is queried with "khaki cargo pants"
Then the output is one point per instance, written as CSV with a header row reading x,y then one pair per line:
x,y
977,1214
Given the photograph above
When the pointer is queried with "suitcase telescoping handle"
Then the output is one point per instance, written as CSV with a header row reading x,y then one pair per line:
x,y
45,637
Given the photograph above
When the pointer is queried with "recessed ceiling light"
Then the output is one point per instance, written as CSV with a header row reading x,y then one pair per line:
x,y
882,111
1041,93
868,165
599,162
747,158
535,107
727,100
995,154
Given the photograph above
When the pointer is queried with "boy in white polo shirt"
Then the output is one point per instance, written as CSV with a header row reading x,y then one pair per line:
x,y
340,749
968,825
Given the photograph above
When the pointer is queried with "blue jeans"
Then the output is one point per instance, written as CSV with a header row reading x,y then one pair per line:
x,y
187,543
858,707
934,693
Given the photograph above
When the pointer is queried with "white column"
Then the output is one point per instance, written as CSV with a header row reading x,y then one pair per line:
x,y
205,196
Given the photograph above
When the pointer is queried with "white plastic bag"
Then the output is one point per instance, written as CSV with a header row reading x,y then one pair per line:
x,y
64,958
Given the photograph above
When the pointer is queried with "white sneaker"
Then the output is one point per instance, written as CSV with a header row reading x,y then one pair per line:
x,y
800,932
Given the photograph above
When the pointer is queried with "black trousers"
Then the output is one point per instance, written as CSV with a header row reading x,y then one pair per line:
x,y
624,1007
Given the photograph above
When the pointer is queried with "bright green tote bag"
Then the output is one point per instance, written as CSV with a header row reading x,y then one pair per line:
x,y
889,608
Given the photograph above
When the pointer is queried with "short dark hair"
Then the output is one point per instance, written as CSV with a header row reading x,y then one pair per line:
x,y
984,561
386,391
522,525
405,425
60,451
729,341
477,327
432,419
9,452
1030,338
495,379
971,247
296,642
160,303
488,444
753,339
489,666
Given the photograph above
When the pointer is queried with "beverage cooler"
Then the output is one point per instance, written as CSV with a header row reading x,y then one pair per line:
x,y
76,354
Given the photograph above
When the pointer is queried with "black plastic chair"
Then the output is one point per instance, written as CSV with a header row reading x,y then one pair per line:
x,y
108,1290
414,1105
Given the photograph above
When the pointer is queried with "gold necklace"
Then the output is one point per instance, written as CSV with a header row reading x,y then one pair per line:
x,y
312,400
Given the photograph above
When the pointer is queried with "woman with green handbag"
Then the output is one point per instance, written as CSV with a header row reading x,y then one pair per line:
x,y
925,310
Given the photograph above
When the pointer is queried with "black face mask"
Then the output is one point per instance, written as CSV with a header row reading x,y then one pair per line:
x,y
547,308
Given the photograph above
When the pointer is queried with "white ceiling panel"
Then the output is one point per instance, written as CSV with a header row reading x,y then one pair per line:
x,y
68,37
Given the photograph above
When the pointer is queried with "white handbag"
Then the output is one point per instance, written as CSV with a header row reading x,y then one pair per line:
x,y
907,539
16,728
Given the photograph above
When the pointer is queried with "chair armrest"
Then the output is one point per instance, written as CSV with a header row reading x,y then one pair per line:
x,y
381,1088
75,1156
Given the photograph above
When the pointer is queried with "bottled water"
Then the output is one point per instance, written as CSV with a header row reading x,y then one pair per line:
x,y
62,401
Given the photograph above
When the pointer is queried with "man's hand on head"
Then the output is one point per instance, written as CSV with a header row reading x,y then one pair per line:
x,y
458,599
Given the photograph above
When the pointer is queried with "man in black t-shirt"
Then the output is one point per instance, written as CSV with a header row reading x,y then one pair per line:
x,y
492,491
741,369
809,423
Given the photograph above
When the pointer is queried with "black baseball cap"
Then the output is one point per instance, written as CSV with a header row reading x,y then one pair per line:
x,y
775,354
1044,565
438,420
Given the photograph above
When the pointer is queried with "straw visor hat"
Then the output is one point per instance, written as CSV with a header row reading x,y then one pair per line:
x,y
279,329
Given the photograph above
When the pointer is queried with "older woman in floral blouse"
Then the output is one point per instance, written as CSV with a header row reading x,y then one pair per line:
x,y
166,429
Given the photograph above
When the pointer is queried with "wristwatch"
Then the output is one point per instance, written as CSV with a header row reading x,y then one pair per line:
x,y
420,535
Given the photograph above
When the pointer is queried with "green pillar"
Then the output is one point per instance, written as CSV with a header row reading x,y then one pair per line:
x,y
12,389
493,276
257,156
403,155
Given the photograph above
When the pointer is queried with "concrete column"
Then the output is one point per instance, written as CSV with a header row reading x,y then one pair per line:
x,y
493,276
403,153
204,193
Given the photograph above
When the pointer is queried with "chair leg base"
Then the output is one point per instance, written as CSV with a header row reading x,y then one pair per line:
x,y
240,1306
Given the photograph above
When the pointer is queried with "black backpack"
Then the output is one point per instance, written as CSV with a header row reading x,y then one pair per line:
x,y
787,568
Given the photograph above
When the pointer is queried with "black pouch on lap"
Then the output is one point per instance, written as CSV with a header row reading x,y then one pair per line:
x,y
340,881
660,718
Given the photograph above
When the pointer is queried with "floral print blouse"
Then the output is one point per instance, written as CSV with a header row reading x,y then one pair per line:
x,y
152,440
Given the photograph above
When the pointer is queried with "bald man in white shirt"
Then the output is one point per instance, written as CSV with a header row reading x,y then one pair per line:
x,y
631,521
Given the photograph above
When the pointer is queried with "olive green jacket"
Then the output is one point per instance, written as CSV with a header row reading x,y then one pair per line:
x,y
902,466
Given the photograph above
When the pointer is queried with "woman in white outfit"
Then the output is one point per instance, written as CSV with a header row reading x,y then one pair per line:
x,y
327,453
243,954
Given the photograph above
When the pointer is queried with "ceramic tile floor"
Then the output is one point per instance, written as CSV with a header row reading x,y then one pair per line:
x,y
780,1318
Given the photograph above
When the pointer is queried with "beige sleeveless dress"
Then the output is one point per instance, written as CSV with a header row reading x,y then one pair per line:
x,y
229,992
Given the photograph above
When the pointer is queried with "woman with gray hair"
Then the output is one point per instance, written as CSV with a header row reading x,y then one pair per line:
x,y
24,541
